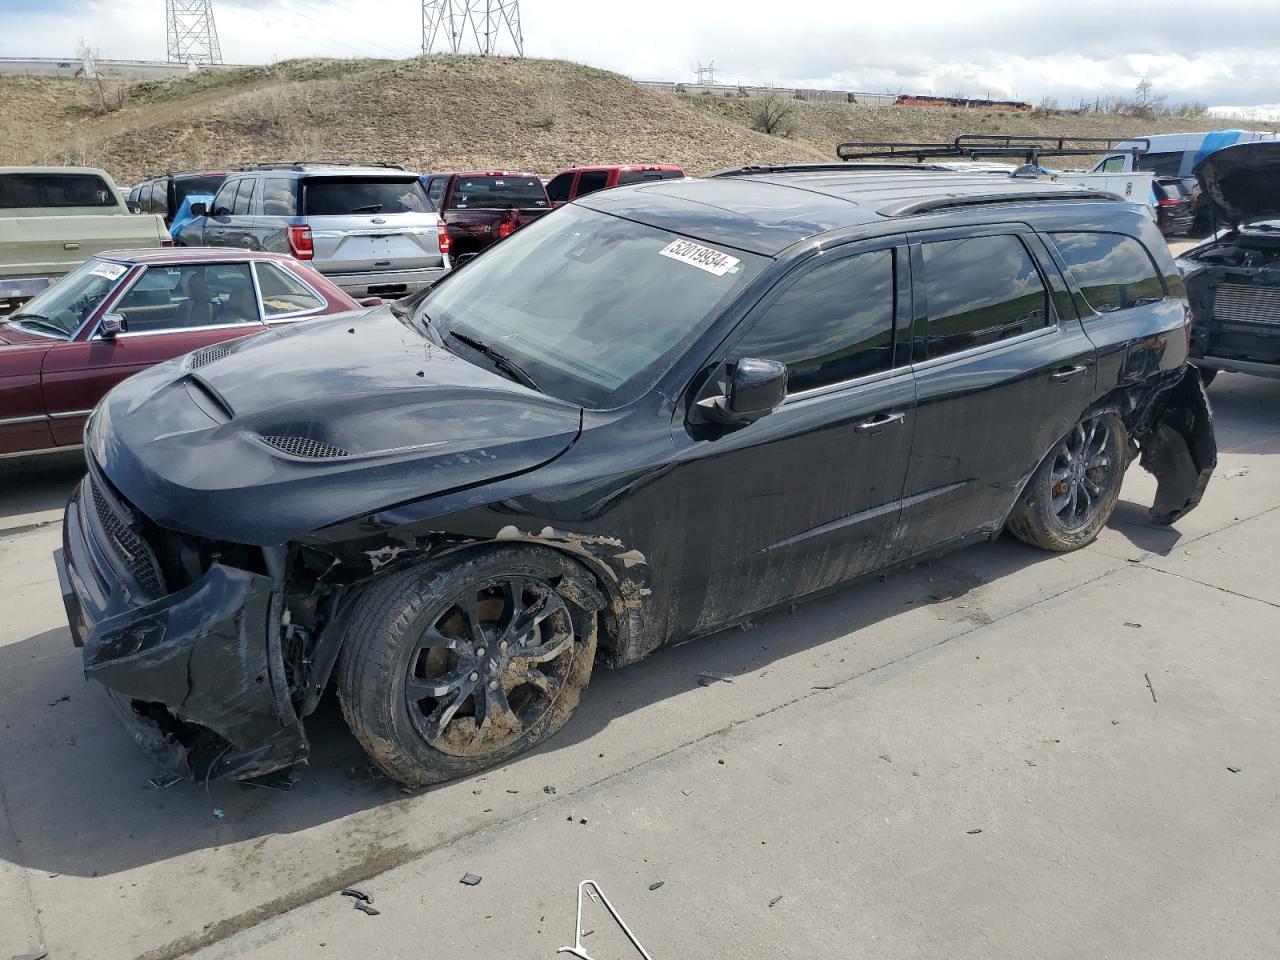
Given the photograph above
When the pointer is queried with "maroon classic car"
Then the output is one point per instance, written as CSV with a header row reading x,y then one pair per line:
x,y
128,309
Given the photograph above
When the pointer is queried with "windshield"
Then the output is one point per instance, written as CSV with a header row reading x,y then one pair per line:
x,y
593,307
63,307
339,196
500,193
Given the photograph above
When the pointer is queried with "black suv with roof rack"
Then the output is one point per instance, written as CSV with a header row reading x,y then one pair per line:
x,y
649,415
368,227
164,194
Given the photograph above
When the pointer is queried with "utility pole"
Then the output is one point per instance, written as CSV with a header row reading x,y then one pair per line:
x,y
190,32
458,26
707,74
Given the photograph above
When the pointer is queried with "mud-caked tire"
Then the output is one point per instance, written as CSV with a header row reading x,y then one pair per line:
x,y
1073,492
459,665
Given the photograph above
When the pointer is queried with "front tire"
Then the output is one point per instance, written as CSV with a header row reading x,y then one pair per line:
x,y
454,667
1073,492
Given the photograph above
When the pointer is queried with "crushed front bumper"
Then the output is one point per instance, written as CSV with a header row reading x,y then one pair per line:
x,y
197,674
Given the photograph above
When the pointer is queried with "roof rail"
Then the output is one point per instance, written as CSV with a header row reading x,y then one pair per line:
x,y
806,168
312,164
972,146
907,208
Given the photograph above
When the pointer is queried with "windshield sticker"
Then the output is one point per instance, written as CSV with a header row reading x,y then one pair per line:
x,y
112,271
696,255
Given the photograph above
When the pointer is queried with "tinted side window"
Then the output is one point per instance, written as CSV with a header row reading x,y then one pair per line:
x,y
54,190
1165,164
558,188
1114,271
640,176
224,198
834,323
589,181
277,197
980,290
244,197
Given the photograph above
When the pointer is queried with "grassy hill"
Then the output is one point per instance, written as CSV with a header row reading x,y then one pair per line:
x,y
443,112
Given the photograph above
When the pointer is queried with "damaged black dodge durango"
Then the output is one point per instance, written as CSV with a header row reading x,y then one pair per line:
x,y
647,416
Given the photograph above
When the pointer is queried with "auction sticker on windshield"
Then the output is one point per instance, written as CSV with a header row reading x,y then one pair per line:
x,y
696,255
112,271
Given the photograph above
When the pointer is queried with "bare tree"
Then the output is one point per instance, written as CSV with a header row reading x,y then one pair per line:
x,y
89,60
775,114
1146,102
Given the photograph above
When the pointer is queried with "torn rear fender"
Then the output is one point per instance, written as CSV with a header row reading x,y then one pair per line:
x,y
210,656
1179,447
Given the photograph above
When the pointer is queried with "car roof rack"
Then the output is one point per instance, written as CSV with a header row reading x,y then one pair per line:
x,y
320,164
908,208
973,146
753,169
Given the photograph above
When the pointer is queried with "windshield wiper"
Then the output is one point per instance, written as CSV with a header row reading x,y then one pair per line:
x,y
36,320
499,361
368,208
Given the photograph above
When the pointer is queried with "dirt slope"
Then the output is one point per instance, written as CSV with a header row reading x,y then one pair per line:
x,y
444,112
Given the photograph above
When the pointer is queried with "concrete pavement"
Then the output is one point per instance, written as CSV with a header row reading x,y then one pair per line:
x,y
1000,689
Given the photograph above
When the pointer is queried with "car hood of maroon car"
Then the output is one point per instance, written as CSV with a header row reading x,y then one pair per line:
x,y
262,440
1243,181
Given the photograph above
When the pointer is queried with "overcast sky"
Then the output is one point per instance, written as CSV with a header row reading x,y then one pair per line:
x,y
1220,52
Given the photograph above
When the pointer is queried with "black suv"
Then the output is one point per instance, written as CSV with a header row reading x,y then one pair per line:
x,y
649,415
164,194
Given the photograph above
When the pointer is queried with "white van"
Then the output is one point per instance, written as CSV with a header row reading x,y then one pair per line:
x,y
1174,154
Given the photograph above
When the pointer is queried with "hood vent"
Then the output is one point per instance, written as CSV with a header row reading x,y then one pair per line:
x,y
208,355
306,448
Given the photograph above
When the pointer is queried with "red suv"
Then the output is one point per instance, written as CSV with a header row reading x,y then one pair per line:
x,y
480,208
579,181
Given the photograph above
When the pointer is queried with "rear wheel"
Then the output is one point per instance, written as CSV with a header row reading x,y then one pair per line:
x,y
1073,492
451,669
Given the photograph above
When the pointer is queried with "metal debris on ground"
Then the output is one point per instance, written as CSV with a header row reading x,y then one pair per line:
x,y
885,758
655,886
365,908
548,789
706,678
1151,688
592,890
280,782
164,781
974,830
357,894
1235,769
62,699
1136,626
470,879
774,901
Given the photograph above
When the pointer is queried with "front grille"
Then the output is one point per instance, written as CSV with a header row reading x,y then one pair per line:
x,y
1240,303
129,549
208,355
305,447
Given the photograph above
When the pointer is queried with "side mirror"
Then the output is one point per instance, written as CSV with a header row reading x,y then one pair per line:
x,y
133,206
199,209
755,389
112,325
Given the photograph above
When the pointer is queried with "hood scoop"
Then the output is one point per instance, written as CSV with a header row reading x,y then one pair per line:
x,y
305,448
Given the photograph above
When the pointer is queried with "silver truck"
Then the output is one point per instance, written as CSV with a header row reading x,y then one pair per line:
x,y
369,229
54,218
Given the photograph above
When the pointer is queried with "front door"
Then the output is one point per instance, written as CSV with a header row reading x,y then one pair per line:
x,y
1000,378
168,311
809,495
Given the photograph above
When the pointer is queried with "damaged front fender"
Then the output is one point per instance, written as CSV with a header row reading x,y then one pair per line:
x,y
1178,447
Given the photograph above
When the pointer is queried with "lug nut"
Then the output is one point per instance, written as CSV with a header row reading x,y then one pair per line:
x,y
503,646
475,676
493,684
480,652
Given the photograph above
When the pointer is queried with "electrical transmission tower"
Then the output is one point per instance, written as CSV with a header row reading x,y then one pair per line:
x,y
459,26
707,74
190,32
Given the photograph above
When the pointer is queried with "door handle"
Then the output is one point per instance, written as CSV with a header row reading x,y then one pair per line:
x,y
1066,374
876,424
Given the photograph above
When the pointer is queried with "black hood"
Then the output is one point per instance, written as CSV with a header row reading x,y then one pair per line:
x,y
1243,181
265,439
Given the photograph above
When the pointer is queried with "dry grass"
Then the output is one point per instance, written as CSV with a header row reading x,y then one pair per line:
x,y
443,112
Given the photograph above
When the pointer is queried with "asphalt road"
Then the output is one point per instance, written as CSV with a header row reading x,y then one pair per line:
x,y
1005,753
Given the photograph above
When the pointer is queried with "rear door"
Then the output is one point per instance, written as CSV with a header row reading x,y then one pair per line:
x,y
368,224
168,311
1002,369
810,495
